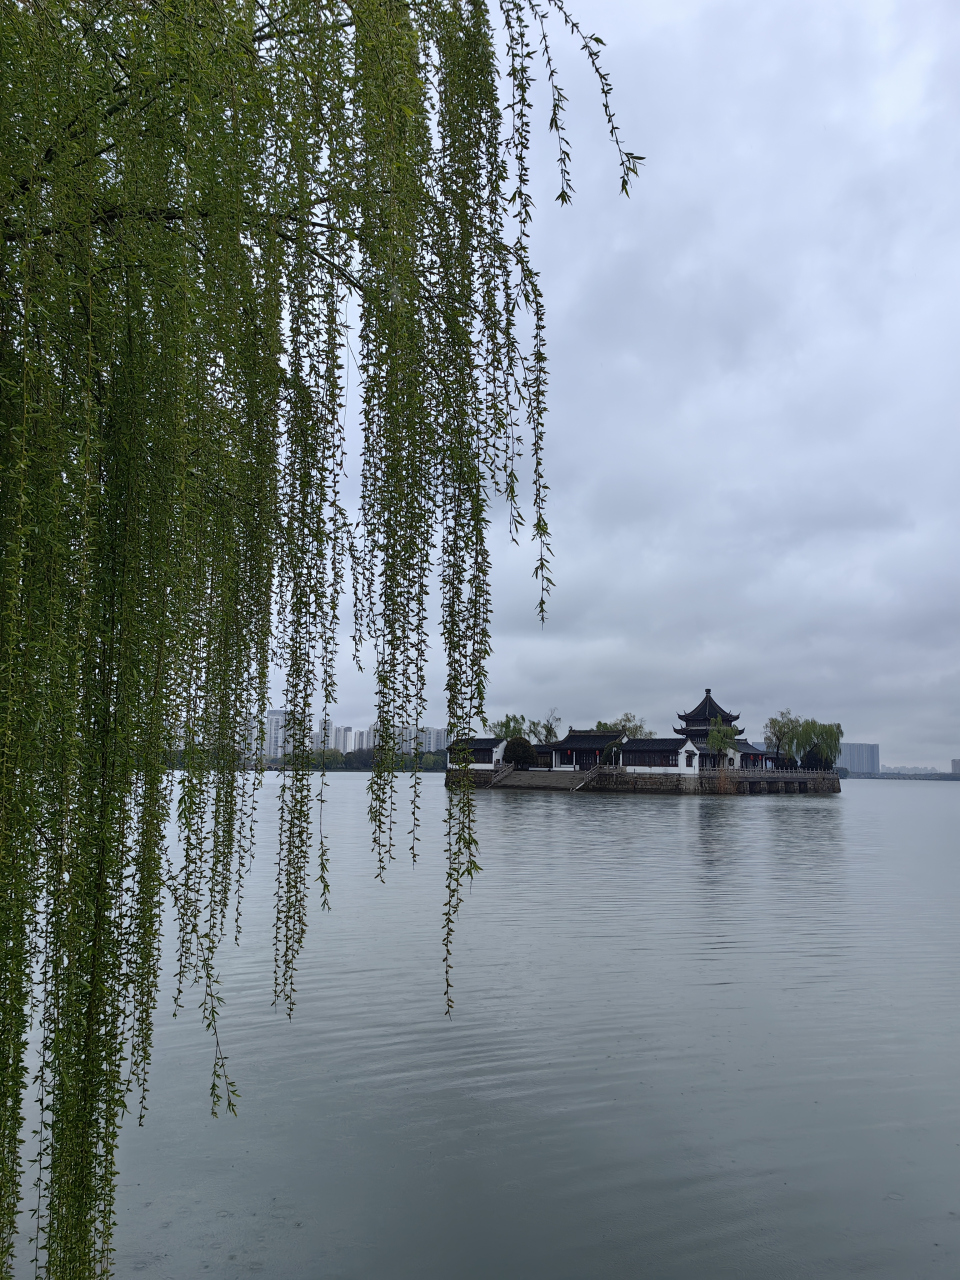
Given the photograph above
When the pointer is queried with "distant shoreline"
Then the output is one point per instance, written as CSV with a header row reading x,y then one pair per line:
x,y
908,777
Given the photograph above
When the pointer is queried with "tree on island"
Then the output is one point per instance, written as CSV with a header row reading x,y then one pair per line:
x,y
193,194
633,726
520,753
817,745
780,735
512,726
721,739
545,730
809,744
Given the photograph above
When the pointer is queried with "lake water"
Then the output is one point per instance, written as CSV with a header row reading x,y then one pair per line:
x,y
695,1038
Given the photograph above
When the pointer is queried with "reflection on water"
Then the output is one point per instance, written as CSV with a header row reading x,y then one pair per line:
x,y
694,1037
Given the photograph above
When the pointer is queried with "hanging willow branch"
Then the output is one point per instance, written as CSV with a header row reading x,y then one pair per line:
x,y
191,192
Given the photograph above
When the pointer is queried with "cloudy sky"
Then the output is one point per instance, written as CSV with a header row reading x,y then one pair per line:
x,y
752,443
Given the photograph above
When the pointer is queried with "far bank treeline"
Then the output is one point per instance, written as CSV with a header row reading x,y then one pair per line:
x,y
345,761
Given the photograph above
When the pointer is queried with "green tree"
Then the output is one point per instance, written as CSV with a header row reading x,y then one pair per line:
x,y
811,743
545,730
780,734
512,726
363,759
509,727
721,738
327,759
633,726
433,762
817,745
196,202
520,753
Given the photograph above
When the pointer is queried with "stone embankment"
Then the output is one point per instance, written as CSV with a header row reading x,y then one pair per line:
x,y
710,782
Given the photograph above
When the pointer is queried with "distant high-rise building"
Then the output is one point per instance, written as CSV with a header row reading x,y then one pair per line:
x,y
432,739
343,737
955,766
365,739
275,736
860,757
334,737
427,739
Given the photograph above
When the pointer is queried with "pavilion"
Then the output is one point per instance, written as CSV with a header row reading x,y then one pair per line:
x,y
696,728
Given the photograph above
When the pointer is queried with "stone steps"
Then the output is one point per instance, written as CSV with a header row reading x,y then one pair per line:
x,y
525,780
545,780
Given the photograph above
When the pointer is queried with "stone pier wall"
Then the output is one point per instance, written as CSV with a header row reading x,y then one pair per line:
x,y
719,782
714,782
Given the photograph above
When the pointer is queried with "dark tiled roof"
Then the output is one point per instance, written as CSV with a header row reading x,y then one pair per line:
x,y
585,740
700,733
653,744
476,744
708,709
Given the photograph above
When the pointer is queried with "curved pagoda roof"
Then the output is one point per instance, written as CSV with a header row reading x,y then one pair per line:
x,y
707,709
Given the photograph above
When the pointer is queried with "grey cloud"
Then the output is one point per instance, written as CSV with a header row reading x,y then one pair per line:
x,y
752,443
753,448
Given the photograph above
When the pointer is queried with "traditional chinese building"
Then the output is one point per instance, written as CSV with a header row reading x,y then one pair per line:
x,y
662,755
697,725
582,748
483,753
686,753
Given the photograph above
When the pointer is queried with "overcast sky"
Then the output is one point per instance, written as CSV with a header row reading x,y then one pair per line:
x,y
752,441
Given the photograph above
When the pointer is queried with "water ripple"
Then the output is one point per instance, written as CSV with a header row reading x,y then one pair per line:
x,y
694,1037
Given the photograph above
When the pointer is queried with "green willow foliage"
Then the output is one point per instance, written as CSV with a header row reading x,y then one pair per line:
x,y
193,191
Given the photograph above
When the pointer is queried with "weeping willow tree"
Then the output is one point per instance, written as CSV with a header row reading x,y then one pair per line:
x,y
203,203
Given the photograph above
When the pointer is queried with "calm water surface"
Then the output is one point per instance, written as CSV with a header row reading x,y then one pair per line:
x,y
694,1038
